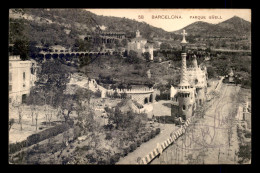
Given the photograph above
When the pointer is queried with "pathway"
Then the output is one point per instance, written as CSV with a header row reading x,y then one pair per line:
x,y
147,147
212,140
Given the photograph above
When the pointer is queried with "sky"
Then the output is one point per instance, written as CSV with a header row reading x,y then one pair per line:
x,y
175,19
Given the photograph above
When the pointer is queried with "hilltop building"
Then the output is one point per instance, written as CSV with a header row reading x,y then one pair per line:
x,y
22,75
231,76
140,45
191,91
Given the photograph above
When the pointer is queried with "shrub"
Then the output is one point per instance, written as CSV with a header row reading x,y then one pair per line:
x,y
17,146
152,134
133,146
91,158
108,136
114,158
35,138
157,131
148,136
126,150
145,138
103,161
138,142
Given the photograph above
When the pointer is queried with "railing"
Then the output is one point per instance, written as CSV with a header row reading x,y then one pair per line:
x,y
161,147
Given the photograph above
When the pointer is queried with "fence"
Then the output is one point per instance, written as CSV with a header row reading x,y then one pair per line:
x,y
160,148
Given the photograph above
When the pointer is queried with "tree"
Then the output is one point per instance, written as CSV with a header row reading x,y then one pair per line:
x,y
10,124
67,106
36,120
116,117
133,57
20,113
211,72
124,42
123,95
50,116
147,56
83,106
165,46
21,47
32,107
115,95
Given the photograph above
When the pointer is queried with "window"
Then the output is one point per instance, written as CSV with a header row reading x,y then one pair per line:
x,y
183,107
10,87
23,85
23,75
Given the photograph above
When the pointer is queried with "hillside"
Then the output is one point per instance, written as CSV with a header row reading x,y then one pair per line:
x,y
63,26
234,26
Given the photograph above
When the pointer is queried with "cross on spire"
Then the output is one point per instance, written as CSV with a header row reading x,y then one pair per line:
x,y
183,34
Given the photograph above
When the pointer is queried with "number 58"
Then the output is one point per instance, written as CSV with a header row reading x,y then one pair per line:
x,y
140,16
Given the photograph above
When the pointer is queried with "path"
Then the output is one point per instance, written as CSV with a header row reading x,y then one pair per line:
x,y
147,147
212,140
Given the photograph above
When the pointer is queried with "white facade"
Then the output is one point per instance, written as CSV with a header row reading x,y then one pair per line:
x,y
140,45
22,75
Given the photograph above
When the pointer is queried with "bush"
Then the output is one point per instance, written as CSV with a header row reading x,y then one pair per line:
x,y
148,136
91,158
17,146
145,138
114,158
152,134
35,138
108,136
103,162
133,146
138,142
126,150
157,131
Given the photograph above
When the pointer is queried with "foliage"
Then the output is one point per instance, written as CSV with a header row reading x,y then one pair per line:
x,y
97,94
132,57
162,96
165,46
114,158
244,153
129,120
21,47
126,150
133,146
35,138
17,146
211,72
147,56
108,136
157,131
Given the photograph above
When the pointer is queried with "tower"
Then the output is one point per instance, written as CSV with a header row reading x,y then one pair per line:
x,y
194,62
185,92
150,50
137,33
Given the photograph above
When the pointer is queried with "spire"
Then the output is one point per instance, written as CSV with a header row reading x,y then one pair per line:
x,y
184,79
137,33
194,61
